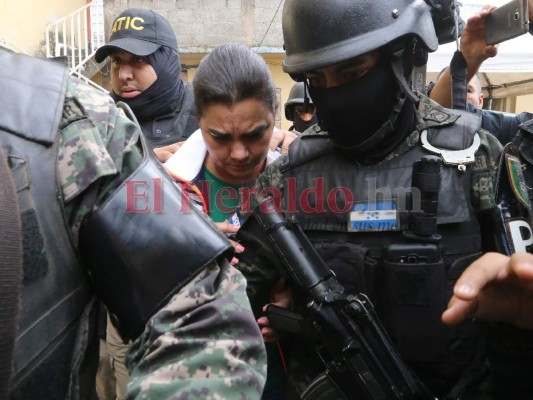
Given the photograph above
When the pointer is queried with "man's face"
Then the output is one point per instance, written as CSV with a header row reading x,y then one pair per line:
x,y
237,139
344,72
130,74
305,113
474,94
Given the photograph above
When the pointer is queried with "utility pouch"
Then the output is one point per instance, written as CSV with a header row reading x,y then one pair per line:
x,y
412,299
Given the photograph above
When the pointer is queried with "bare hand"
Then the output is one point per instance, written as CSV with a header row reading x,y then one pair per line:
x,y
475,51
165,152
227,228
281,296
473,45
282,139
495,287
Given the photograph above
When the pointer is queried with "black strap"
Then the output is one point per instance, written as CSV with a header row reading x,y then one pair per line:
x,y
458,72
10,271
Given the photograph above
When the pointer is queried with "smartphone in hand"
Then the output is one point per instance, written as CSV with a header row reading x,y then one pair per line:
x,y
507,22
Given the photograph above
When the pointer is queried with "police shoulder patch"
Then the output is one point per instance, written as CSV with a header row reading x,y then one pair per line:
x,y
516,179
72,111
437,116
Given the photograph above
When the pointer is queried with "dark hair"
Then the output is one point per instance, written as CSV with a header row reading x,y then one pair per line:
x,y
232,73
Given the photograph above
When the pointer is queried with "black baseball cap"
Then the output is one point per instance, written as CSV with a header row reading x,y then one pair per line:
x,y
138,31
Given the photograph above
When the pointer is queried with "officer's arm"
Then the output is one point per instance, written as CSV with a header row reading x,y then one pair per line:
x,y
503,126
203,342
98,150
474,49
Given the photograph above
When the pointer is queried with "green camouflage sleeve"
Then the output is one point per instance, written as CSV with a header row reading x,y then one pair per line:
x,y
97,150
203,344
485,171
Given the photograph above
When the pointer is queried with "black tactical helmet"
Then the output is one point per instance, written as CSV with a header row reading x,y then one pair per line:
x,y
296,96
324,32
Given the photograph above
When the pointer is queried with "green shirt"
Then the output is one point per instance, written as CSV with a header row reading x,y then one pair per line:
x,y
222,197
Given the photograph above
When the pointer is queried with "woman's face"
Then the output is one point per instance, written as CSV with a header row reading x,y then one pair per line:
x,y
237,139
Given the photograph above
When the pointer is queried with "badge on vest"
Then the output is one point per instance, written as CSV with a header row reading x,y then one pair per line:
x,y
516,179
373,217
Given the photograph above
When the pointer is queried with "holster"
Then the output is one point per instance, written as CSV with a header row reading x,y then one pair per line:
x,y
144,243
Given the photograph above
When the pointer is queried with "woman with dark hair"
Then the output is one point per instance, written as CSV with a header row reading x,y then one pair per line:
x,y
235,100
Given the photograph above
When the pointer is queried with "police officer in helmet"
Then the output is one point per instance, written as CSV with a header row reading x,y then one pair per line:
x,y
374,45
299,109
356,59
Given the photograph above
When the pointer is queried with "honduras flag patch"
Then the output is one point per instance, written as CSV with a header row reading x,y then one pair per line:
x,y
373,217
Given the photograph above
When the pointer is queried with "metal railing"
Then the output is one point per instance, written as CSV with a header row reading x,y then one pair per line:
x,y
92,83
77,36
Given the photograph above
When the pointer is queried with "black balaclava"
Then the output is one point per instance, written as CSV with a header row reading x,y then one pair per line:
x,y
165,93
300,125
360,115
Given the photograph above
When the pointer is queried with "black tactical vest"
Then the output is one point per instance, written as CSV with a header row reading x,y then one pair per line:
x,y
316,183
54,324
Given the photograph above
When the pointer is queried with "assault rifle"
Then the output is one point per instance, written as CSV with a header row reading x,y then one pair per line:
x,y
359,358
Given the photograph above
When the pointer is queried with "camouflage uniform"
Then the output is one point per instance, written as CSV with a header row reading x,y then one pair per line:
x,y
261,277
205,342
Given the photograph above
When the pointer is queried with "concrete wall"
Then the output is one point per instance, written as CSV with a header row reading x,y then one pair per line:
x,y
23,22
203,24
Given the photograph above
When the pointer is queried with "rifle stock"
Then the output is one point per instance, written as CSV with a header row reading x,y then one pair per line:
x,y
360,360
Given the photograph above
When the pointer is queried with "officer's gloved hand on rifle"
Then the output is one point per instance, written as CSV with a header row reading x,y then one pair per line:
x,y
280,296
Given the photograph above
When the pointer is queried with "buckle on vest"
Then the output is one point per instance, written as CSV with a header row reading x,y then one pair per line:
x,y
453,157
